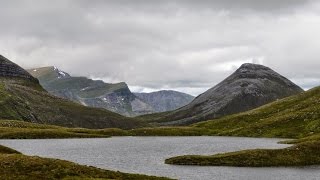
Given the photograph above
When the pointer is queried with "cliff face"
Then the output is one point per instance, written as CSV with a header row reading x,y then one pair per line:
x,y
248,87
10,69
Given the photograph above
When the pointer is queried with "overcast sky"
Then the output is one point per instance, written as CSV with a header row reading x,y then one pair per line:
x,y
186,45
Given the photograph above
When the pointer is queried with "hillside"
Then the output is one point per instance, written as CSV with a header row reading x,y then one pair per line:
x,y
162,101
247,88
12,70
22,98
292,117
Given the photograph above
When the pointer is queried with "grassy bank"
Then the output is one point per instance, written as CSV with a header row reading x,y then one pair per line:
x,y
6,150
24,130
14,165
302,154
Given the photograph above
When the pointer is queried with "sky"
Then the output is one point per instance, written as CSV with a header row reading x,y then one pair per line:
x,y
184,45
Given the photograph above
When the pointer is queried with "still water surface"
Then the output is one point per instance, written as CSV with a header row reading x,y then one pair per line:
x,y
146,155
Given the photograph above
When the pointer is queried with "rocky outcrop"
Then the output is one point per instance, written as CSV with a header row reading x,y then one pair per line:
x,y
248,87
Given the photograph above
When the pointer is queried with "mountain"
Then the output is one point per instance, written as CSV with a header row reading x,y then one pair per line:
x,y
114,97
12,70
292,117
247,88
93,93
22,98
162,101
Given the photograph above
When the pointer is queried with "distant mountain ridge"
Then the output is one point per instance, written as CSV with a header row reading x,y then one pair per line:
x,y
248,87
96,93
22,98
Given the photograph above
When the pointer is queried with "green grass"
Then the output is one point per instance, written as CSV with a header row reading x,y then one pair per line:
x,y
10,129
168,131
153,118
24,130
15,166
6,150
302,154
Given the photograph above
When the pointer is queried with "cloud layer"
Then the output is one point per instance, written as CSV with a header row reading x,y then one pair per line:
x,y
185,45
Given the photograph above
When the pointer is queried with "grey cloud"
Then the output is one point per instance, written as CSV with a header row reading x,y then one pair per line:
x,y
176,44
254,5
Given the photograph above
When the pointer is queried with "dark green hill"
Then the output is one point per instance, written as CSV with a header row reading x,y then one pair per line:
x,y
21,102
22,98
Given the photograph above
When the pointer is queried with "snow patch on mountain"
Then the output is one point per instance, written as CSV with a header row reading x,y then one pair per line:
x,y
61,74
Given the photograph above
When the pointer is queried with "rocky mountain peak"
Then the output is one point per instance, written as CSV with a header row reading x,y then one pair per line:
x,y
251,66
10,69
249,70
250,86
60,74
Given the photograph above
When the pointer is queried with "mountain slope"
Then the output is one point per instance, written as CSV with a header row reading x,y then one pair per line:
x,y
247,88
293,117
162,101
12,70
22,98
114,97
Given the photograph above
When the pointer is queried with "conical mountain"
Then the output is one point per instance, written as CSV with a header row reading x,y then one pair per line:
x,y
248,87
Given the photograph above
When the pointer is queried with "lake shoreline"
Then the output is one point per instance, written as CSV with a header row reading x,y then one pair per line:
x,y
146,155
16,165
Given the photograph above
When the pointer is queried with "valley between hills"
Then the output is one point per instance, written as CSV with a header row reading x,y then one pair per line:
x,y
254,101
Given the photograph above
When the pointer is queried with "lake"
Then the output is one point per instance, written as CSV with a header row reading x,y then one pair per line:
x,y
146,155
